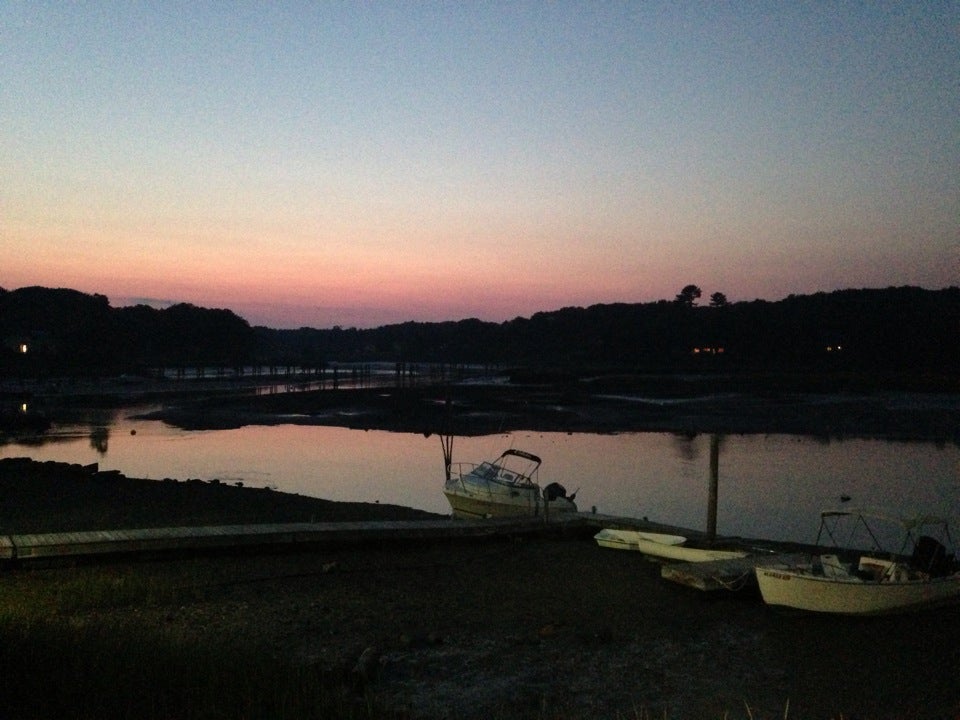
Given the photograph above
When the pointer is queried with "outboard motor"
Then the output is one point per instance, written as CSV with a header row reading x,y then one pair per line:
x,y
930,556
553,491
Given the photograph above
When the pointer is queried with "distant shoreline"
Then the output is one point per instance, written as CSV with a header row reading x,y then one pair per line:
x,y
481,410
894,408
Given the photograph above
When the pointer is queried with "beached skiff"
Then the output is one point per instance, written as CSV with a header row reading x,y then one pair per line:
x,y
630,539
684,553
871,584
662,546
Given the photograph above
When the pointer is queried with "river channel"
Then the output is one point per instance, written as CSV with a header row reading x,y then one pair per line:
x,y
770,486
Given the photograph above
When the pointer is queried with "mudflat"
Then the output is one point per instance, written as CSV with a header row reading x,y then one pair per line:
x,y
538,627
694,405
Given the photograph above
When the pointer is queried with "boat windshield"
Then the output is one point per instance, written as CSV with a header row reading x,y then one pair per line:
x,y
487,470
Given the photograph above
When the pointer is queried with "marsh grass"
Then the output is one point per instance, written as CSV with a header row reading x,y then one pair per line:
x,y
53,670
66,653
59,659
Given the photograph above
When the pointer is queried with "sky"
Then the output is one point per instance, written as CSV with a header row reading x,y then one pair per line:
x,y
364,163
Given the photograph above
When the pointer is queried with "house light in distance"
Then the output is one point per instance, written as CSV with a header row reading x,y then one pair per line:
x,y
23,348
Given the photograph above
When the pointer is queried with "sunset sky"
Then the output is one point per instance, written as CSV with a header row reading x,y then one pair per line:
x,y
357,164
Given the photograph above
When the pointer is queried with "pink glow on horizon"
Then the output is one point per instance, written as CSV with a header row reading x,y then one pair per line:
x,y
492,282
366,164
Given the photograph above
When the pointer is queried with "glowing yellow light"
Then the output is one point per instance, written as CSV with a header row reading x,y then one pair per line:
x,y
23,348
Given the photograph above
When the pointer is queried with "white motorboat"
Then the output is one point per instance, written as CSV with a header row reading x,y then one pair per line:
x,y
630,539
505,487
921,575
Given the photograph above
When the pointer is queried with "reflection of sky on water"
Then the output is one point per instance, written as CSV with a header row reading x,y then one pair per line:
x,y
770,485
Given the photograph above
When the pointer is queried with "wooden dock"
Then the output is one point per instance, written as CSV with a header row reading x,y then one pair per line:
x,y
71,546
258,536
724,574
90,543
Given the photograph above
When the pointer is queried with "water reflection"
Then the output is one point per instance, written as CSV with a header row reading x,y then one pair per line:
x,y
768,486
713,491
99,438
684,445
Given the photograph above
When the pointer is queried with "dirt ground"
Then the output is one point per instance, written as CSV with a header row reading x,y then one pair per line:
x,y
551,628
499,628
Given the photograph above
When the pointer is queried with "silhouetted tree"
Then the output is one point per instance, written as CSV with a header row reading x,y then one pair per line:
x,y
718,299
190,334
68,332
688,296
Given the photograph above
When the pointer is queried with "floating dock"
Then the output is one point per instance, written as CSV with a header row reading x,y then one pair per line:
x,y
91,543
725,574
71,546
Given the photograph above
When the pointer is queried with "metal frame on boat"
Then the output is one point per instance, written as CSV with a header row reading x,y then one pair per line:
x,y
922,574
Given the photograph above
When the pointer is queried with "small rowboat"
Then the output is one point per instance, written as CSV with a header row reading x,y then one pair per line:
x,y
630,539
662,546
684,553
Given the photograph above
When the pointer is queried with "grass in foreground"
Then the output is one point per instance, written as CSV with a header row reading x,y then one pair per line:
x,y
57,660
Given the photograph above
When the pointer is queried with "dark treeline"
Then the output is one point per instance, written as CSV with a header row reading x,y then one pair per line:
x,y
46,332
902,330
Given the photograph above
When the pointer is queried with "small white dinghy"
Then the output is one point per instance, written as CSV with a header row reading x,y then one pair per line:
x,y
630,539
661,546
684,553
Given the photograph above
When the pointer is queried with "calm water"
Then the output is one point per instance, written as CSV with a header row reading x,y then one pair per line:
x,y
771,486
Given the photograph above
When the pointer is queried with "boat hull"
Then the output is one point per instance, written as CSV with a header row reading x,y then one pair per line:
x,y
801,590
465,503
505,487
